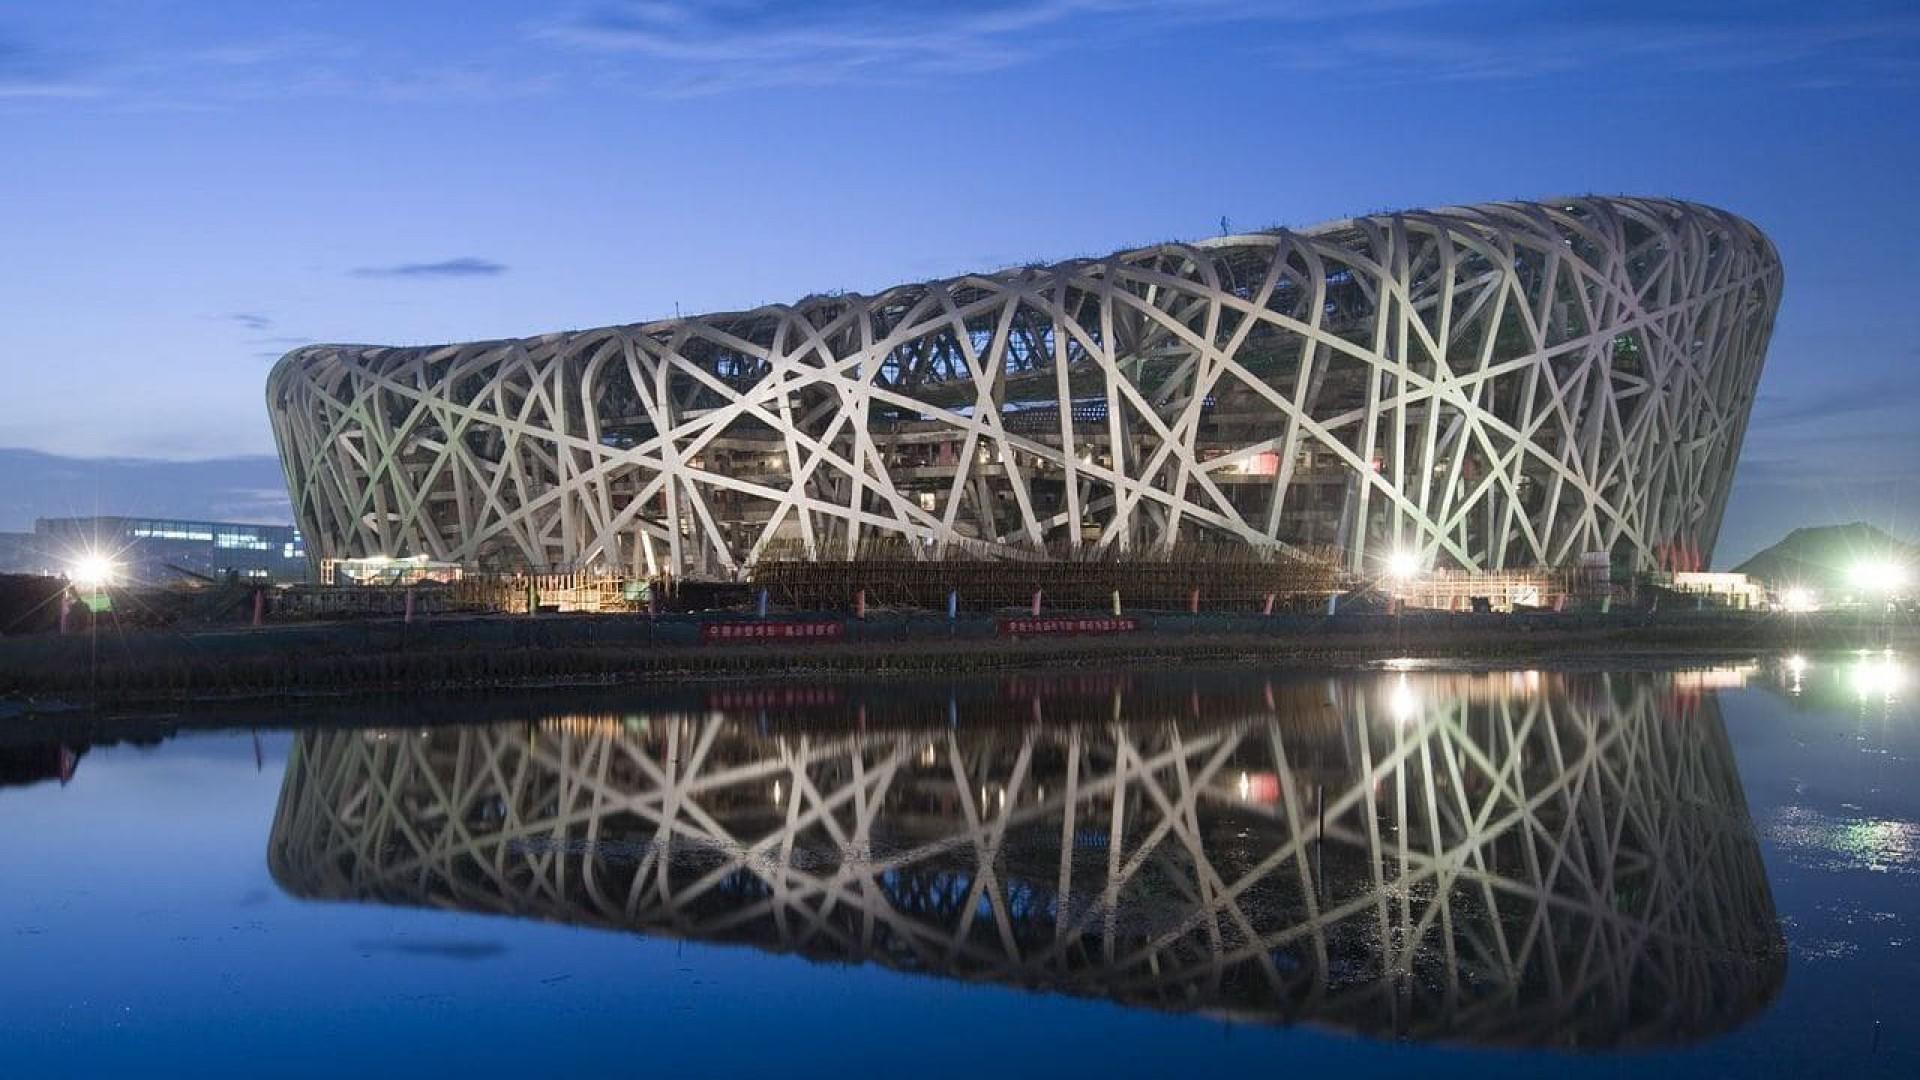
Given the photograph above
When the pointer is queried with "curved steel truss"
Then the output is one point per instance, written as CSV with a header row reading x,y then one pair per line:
x,y
1503,859
1486,387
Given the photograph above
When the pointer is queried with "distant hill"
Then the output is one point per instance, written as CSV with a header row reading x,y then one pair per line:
x,y
34,485
1819,557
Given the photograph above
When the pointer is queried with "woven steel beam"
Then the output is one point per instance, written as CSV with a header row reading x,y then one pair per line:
x,y
1487,387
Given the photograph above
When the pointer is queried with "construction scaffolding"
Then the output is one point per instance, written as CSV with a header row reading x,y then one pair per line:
x,y
467,593
576,592
1214,576
1499,590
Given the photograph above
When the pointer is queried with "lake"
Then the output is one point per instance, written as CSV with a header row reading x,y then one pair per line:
x,y
1703,871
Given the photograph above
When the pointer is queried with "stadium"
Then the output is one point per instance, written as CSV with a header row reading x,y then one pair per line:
x,y
1478,389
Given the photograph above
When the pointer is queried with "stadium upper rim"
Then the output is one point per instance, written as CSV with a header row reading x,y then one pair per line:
x,y
1465,215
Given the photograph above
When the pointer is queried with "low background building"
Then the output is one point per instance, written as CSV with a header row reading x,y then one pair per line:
x,y
1737,591
154,551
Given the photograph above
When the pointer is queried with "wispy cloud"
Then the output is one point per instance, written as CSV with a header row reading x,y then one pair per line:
x,y
280,346
29,73
465,266
679,48
691,48
276,344
228,74
1848,463
1866,395
267,505
1814,47
684,48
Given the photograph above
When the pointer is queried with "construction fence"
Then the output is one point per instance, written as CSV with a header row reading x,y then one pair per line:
x,y
1191,578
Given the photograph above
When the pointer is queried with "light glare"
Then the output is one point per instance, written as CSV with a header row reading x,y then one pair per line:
x,y
93,571
1878,575
1403,703
1877,677
1403,565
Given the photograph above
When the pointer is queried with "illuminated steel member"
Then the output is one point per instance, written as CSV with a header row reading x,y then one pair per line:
x,y
1481,388
1507,859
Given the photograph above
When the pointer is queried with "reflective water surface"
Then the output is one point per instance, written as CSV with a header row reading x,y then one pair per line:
x,y
1708,871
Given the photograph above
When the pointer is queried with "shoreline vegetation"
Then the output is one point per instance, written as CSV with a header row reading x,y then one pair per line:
x,y
151,670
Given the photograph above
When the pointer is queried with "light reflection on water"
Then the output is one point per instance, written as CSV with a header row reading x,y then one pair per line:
x,y
1521,860
1871,678
1824,841
1428,856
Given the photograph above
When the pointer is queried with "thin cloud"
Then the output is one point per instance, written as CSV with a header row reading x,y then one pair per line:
x,y
292,65
46,90
681,48
1845,454
1865,396
1812,48
266,505
251,320
30,73
466,266
276,344
693,49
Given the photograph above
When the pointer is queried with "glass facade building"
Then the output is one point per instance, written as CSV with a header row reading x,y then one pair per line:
x,y
151,551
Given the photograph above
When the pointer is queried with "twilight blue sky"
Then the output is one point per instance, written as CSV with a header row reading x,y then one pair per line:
x,y
193,188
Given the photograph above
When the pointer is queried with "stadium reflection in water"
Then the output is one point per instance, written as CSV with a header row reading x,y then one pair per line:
x,y
1527,859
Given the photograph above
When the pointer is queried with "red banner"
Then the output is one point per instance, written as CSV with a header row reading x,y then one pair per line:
x,y
785,697
1088,624
747,632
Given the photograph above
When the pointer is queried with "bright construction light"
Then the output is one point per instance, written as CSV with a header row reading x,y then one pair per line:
x,y
1797,664
1878,575
1799,600
1402,565
93,571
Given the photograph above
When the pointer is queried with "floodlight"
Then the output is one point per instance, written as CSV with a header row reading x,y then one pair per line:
x,y
1799,600
93,571
1877,575
1402,565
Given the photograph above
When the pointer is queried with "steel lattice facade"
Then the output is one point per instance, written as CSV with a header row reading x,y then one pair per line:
x,y
1490,387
